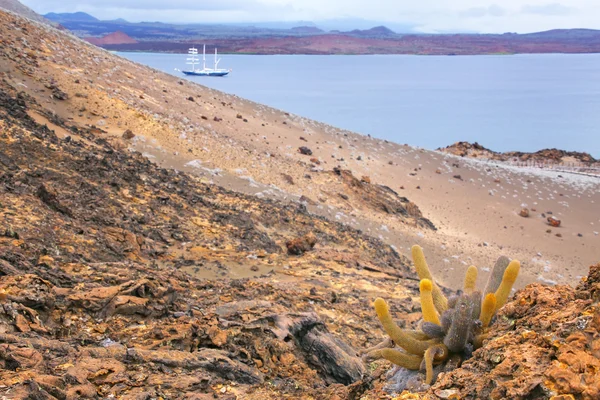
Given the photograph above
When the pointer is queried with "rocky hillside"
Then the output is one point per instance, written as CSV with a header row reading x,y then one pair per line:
x,y
551,156
102,261
123,279
17,7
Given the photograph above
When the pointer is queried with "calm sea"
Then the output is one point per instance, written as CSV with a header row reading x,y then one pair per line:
x,y
523,102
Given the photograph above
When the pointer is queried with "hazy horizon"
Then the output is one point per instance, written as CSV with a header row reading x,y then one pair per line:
x,y
428,16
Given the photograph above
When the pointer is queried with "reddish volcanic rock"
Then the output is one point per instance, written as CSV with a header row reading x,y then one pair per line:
x,y
301,245
553,156
112,38
553,221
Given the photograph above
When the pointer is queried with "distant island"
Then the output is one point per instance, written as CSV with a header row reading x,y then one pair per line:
x,y
308,38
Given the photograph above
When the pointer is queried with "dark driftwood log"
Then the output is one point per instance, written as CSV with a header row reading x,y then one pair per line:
x,y
337,361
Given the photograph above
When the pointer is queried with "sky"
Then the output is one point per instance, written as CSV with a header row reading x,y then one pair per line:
x,y
427,16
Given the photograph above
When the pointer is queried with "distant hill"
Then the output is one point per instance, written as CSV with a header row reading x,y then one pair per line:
x,y
20,9
112,38
302,37
71,17
307,30
576,34
376,32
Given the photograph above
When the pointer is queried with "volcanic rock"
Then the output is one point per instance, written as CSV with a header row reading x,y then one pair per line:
x,y
305,151
112,38
553,221
301,245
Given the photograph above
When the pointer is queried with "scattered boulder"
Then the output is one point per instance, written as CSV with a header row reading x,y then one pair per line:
x,y
305,151
128,134
56,92
553,221
288,179
524,213
301,245
365,179
307,200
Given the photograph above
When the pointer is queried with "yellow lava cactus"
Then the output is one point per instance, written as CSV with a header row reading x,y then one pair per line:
x,y
451,328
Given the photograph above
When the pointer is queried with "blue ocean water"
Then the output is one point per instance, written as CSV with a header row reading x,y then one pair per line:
x,y
522,102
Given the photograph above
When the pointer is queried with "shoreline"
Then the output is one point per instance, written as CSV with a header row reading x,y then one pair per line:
x,y
337,117
183,52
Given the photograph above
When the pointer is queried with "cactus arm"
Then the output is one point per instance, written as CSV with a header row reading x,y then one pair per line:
x,y
440,301
399,336
508,280
478,340
427,307
447,319
418,335
475,299
470,279
433,330
452,301
488,308
496,275
437,353
408,361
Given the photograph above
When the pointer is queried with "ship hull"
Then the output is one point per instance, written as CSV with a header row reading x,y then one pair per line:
x,y
206,73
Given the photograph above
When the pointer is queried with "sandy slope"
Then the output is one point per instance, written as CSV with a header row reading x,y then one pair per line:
x,y
250,147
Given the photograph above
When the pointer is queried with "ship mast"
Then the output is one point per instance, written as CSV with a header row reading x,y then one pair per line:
x,y
216,61
192,59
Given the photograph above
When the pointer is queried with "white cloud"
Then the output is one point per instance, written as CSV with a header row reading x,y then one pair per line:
x,y
428,15
548,9
478,12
